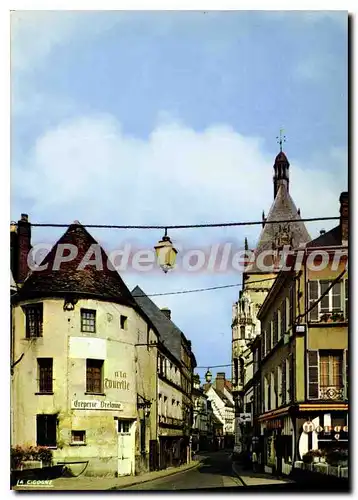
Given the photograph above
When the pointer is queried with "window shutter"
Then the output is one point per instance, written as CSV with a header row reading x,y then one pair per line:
x,y
283,382
292,305
313,374
312,297
291,374
345,376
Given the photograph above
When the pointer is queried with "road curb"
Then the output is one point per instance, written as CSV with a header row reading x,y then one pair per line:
x,y
171,473
237,474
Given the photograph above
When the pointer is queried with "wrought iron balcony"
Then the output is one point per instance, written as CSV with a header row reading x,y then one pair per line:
x,y
331,392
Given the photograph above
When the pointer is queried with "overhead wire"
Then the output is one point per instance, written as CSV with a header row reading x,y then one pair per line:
x,y
182,226
195,290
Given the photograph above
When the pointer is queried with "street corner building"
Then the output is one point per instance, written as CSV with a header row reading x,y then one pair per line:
x,y
290,344
84,362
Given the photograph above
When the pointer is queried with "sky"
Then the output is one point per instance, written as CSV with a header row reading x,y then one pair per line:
x,y
155,118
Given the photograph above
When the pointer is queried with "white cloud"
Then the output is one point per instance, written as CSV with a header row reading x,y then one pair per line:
x,y
176,175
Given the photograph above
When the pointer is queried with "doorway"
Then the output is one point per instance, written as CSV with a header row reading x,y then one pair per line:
x,y
125,447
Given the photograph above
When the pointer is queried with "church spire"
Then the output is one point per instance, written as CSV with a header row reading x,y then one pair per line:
x,y
281,166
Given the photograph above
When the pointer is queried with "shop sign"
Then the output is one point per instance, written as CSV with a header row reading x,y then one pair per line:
x,y
274,424
95,404
308,427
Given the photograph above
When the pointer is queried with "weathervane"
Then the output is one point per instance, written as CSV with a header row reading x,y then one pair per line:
x,y
281,139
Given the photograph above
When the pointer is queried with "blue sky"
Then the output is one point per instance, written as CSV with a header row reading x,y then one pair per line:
x,y
172,117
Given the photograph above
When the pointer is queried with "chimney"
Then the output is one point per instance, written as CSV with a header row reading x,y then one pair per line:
x,y
220,381
343,199
23,247
13,249
167,312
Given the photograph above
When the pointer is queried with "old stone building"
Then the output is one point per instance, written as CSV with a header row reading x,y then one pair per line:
x,y
83,369
202,430
222,402
301,378
258,277
176,363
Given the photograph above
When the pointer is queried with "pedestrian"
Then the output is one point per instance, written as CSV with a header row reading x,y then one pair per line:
x,y
254,461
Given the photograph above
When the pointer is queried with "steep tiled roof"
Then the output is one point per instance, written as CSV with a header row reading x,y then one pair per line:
x,y
283,208
168,331
328,239
69,280
223,398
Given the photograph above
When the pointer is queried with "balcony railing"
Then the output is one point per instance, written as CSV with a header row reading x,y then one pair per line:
x,y
331,392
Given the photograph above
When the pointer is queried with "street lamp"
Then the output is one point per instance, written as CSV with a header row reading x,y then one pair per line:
x,y
166,253
208,376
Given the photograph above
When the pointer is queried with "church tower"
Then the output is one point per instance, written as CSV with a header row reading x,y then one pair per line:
x,y
257,282
281,176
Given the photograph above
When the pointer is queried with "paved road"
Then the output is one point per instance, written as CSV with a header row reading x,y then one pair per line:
x,y
215,471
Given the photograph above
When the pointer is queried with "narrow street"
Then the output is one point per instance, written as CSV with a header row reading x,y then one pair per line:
x,y
215,471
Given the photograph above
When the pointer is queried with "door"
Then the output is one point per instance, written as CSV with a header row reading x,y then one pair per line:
x,y
125,448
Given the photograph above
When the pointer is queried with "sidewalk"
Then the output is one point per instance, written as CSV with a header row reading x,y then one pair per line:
x,y
251,478
83,483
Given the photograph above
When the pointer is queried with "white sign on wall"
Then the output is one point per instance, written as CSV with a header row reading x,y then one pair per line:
x,y
95,404
88,348
244,417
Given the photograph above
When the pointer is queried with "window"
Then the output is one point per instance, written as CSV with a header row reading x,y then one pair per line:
x,y
283,382
330,303
263,346
78,437
124,322
88,320
242,332
34,320
325,374
330,369
346,305
272,391
279,327
283,319
287,313
94,376
248,408
288,378
124,426
46,430
236,371
292,305
279,385
45,374
269,337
